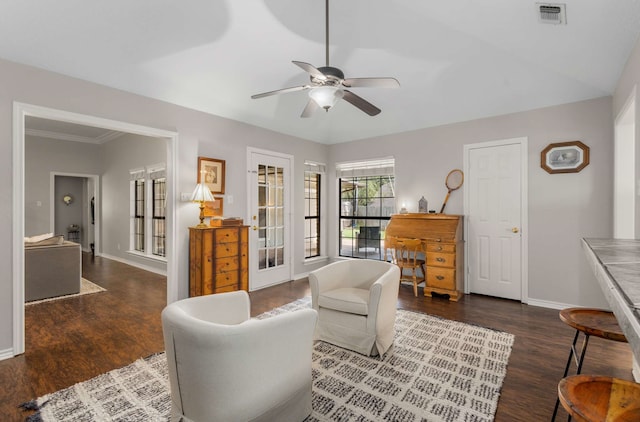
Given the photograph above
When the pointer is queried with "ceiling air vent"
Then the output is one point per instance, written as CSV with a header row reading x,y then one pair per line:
x,y
554,13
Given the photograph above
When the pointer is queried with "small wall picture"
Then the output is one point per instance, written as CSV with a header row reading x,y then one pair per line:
x,y
564,157
213,208
212,170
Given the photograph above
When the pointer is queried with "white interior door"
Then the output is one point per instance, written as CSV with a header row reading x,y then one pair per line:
x,y
494,205
269,218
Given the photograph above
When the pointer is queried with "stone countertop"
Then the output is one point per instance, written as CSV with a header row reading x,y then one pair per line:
x,y
616,264
621,258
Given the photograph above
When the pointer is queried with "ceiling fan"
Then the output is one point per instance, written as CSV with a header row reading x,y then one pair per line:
x,y
328,84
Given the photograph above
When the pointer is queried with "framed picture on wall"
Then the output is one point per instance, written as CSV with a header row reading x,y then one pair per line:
x,y
564,157
213,208
211,172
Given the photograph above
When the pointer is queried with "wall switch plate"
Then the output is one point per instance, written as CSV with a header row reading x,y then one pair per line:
x,y
229,199
185,197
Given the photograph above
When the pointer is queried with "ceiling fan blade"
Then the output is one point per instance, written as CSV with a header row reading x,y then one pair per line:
x,y
371,82
310,69
361,103
310,108
280,91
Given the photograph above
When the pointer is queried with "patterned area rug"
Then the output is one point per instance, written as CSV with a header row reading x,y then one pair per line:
x,y
86,287
437,370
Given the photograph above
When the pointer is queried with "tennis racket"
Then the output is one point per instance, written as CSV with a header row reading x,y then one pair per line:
x,y
452,182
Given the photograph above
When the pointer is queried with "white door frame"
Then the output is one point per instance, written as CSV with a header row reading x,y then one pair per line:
x,y
624,174
524,251
290,213
20,111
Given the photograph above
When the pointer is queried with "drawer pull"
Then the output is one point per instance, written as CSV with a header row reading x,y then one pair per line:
x,y
439,248
438,240
439,259
440,277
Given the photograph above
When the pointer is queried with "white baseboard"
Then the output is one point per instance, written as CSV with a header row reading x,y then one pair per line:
x,y
134,264
549,304
6,354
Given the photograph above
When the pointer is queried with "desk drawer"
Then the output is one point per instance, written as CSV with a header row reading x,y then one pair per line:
x,y
442,278
438,259
441,247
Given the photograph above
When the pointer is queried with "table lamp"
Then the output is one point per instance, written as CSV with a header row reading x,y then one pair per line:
x,y
202,194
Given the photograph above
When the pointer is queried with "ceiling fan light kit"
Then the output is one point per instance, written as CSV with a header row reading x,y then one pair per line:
x,y
328,83
326,96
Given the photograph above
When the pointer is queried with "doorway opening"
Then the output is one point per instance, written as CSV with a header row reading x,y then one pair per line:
x,y
20,113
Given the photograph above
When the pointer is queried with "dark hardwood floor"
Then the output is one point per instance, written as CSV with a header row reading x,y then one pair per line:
x,y
72,340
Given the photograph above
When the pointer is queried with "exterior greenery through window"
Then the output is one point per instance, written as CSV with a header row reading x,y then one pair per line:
x,y
312,198
367,200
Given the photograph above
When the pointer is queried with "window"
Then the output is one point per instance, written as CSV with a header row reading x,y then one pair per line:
x,y
312,214
158,217
367,200
138,206
148,211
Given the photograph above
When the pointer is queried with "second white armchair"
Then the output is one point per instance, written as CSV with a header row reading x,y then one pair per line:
x,y
356,302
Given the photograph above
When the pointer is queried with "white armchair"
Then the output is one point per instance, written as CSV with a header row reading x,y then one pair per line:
x,y
356,302
224,366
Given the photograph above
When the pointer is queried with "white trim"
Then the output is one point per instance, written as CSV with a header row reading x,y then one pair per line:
x,y
20,111
551,305
135,264
108,136
619,137
6,354
524,207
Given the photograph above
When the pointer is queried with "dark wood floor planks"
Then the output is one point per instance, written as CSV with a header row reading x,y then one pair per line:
x,y
72,340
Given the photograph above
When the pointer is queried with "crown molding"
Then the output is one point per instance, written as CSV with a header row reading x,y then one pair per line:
x,y
106,137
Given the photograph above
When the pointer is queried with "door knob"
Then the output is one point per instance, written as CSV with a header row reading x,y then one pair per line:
x,y
254,227
515,230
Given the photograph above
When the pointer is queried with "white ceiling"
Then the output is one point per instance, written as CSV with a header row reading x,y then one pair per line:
x,y
456,60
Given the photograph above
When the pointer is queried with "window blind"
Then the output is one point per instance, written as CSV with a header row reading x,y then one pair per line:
x,y
315,167
375,167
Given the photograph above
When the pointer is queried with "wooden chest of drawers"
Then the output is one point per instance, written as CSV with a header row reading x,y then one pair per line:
x,y
218,260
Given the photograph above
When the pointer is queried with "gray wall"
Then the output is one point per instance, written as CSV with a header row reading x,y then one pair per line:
x,y
118,158
43,156
563,208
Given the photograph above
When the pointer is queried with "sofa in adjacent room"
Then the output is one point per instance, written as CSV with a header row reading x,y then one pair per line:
x,y
53,267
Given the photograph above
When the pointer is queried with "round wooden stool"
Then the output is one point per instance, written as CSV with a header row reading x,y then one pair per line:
x,y
590,322
600,399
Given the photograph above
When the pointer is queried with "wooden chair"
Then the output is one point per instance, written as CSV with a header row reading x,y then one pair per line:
x,y
406,255
390,243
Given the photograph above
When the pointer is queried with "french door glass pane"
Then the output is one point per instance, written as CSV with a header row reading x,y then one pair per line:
x,y
270,216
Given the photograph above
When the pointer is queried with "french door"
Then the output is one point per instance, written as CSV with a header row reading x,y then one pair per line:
x,y
269,180
495,207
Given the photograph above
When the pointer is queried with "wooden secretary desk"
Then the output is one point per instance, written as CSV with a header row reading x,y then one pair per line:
x,y
443,247
218,259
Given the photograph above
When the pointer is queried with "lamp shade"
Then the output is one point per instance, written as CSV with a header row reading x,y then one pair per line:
x,y
326,96
201,193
